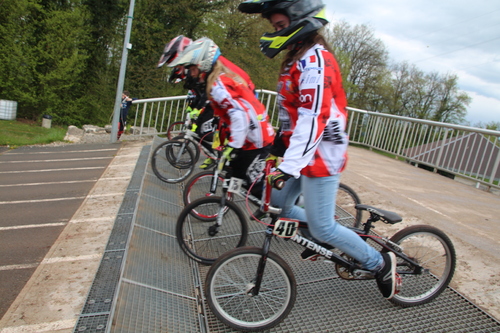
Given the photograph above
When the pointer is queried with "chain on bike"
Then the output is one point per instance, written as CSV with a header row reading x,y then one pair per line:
x,y
356,274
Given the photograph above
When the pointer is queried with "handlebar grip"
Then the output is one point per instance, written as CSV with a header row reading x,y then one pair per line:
x,y
279,184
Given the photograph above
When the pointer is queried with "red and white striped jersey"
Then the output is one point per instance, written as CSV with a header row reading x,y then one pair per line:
x,y
242,112
313,116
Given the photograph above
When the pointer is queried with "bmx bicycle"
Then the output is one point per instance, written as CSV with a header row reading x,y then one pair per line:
x,y
254,289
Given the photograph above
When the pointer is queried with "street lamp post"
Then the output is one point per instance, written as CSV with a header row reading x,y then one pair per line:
x,y
121,77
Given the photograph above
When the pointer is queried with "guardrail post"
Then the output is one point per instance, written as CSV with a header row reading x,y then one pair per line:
x,y
401,139
497,162
375,131
438,160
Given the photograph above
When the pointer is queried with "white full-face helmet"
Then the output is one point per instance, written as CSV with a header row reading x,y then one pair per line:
x,y
202,52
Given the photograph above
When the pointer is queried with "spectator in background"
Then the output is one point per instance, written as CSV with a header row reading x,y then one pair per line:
x,y
126,103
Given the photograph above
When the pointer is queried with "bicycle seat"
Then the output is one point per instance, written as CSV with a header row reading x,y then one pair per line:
x,y
386,215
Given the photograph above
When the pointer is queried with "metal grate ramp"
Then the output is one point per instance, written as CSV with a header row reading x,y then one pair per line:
x,y
160,289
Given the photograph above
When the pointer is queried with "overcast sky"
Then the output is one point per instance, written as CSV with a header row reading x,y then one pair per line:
x,y
448,36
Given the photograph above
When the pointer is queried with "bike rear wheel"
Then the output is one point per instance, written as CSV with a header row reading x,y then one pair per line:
x,y
434,251
201,239
172,161
229,284
345,209
175,129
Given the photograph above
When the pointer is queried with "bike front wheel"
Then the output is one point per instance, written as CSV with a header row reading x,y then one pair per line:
x,y
199,185
230,284
203,239
434,252
193,145
172,161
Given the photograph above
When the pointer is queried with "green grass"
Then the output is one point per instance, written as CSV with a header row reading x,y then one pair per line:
x,y
19,133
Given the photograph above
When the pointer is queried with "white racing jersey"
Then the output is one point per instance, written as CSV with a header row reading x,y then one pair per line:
x,y
313,116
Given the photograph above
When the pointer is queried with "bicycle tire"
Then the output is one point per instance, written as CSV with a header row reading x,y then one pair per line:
x,y
432,249
198,186
229,282
175,129
193,145
170,164
194,235
345,209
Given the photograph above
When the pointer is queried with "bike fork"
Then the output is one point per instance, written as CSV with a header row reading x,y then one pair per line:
x,y
179,154
262,262
214,229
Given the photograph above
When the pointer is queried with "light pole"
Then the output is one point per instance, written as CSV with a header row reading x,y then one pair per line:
x,y
121,77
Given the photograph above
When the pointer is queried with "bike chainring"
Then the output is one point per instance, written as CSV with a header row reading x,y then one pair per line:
x,y
356,274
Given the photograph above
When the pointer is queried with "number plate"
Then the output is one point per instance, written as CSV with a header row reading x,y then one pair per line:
x,y
235,185
286,228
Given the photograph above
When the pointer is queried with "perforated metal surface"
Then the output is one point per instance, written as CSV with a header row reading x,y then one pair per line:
x,y
97,308
160,289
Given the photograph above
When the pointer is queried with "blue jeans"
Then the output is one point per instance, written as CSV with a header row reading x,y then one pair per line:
x,y
319,201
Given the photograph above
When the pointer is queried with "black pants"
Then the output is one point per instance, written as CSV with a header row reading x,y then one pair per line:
x,y
248,165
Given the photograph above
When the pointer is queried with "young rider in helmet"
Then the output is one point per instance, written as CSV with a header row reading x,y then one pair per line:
x,y
201,113
312,138
197,99
235,103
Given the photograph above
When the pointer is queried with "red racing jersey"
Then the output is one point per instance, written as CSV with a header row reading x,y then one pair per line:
x,y
242,113
238,71
313,116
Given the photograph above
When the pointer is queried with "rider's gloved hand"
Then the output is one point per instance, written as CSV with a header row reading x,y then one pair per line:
x,y
195,113
230,153
274,158
278,178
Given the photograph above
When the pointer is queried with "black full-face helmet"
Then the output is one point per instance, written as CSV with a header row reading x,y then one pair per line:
x,y
306,17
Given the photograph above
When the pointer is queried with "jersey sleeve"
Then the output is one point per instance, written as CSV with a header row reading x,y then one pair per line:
x,y
232,106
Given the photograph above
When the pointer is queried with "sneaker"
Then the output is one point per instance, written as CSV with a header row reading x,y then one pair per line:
x,y
206,163
386,276
309,254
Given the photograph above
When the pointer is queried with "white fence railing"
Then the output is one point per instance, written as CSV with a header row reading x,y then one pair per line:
x,y
467,152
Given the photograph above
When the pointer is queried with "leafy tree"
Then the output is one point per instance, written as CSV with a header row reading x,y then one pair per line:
x,y
156,22
238,34
105,19
43,58
363,62
17,56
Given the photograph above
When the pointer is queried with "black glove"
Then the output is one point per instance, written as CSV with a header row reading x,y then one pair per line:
x,y
278,178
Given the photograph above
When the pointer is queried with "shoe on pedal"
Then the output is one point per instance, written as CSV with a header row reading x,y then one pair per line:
x,y
206,163
386,276
309,254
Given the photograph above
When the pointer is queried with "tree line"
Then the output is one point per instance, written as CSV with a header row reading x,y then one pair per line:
x,y
62,57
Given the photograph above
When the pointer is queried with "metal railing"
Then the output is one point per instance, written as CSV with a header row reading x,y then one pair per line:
x,y
153,115
468,152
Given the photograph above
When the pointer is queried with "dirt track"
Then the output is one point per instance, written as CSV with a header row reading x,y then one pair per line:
x,y
470,216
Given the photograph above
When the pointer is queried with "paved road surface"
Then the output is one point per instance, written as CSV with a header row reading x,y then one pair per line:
x,y
40,189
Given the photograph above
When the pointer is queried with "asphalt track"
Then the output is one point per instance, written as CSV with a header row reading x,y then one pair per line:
x,y
41,188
